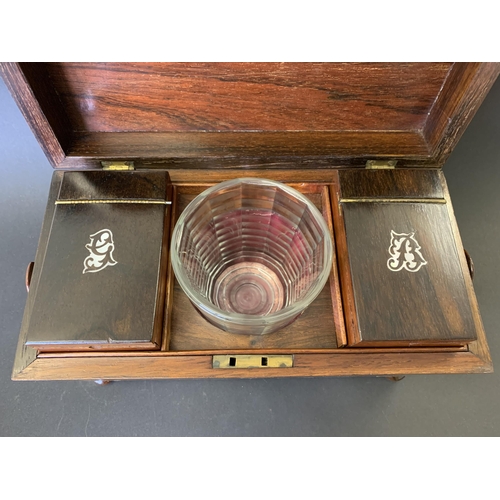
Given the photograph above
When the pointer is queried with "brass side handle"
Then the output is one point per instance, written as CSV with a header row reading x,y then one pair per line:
x,y
29,273
470,264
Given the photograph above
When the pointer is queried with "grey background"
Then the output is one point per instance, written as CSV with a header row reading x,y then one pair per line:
x,y
438,405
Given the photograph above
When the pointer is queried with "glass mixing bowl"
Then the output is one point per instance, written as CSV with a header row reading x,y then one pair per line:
x,y
251,254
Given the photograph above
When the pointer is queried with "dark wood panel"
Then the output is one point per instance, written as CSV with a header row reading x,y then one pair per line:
x,y
114,307
411,294
159,97
103,185
78,304
391,183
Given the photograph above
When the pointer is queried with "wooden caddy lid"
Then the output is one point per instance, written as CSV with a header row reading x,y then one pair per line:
x,y
404,273
101,282
275,115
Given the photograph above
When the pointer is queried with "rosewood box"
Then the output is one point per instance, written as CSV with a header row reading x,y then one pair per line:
x,y
133,143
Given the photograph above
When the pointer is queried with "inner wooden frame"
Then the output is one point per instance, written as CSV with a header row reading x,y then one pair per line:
x,y
320,327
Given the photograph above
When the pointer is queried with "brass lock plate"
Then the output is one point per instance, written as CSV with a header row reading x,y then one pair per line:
x,y
252,361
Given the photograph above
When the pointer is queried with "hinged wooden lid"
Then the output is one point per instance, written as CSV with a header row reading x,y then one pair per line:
x,y
405,280
236,114
101,273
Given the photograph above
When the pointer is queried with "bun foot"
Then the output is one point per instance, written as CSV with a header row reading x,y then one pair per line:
x,y
100,381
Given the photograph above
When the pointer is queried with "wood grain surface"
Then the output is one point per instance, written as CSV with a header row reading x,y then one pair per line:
x,y
177,149
315,329
168,97
393,184
36,98
430,304
199,114
170,277
343,363
464,89
335,291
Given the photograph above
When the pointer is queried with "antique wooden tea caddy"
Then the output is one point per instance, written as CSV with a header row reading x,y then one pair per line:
x,y
133,143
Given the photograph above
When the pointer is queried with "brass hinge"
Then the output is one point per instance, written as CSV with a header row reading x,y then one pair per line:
x,y
380,164
117,165
252,361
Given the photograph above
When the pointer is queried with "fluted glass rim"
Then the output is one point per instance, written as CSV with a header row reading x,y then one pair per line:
x,y
246,319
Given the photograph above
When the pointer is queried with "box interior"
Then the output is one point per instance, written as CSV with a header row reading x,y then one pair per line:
x,y
319,327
